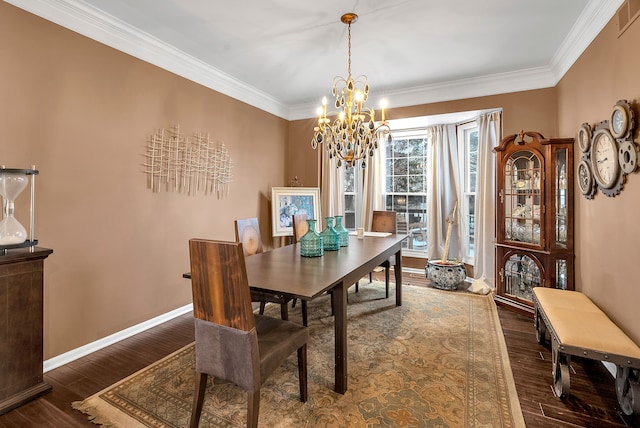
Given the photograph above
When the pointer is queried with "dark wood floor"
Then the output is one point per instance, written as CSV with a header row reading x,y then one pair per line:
x,y
592,402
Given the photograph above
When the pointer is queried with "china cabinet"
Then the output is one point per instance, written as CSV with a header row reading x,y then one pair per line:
x,y
534,217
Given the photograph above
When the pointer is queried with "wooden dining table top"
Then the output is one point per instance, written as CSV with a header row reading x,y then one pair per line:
x,y
284,270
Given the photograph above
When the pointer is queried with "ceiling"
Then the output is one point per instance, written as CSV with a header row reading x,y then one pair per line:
x,y
282,55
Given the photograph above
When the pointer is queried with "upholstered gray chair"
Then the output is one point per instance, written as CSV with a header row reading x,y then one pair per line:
x,y
231,342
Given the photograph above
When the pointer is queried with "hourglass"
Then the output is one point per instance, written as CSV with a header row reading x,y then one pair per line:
x,y
12,233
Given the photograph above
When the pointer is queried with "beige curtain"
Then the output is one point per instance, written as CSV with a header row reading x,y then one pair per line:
x,y
489,135
373,188
332,185
443,192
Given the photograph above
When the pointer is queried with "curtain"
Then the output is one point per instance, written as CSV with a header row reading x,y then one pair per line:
x,y
443,192
373,187
332,185
489,135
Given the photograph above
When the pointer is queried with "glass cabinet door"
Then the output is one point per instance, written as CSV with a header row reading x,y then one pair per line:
x,y
521,273
561,200
522,198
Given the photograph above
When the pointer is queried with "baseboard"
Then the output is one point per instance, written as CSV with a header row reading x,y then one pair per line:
x,y
87,349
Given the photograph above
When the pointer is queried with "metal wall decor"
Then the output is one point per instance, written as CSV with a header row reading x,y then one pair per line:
x,y
609,152
179,164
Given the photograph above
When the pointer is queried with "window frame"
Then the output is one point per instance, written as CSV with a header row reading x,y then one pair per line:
x,y
464,132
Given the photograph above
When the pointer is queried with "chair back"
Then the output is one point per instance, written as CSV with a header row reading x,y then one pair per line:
x,y
383,221
248,233
300,226
219,284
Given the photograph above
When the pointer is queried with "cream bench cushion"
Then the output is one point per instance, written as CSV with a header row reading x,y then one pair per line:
x,y
578,322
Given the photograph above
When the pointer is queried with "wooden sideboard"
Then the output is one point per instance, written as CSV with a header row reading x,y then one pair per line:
x,y
21,325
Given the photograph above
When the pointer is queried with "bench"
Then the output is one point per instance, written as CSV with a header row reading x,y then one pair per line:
x,y
576,326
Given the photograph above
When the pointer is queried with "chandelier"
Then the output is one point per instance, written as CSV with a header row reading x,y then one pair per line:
x,y
353,136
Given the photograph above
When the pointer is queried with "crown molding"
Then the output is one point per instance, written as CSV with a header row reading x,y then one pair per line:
x,y
589,24
84,19
501,83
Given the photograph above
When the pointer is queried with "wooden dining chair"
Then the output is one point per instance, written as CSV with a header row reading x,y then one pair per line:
x,y
248,233
384,221
231,342
300,226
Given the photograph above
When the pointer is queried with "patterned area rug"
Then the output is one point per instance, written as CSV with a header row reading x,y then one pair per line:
x,y
439,360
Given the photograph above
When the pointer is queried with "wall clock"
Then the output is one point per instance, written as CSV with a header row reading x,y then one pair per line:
x,y
621,119
604,161
585,179
604,158
584,137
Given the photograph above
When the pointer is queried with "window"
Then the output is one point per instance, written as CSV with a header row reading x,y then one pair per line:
x,y
407,176
468,154
406,186
353,190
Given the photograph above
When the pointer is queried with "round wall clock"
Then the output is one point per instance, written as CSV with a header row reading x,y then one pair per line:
x,y
621,120
604,159
585,179
584,137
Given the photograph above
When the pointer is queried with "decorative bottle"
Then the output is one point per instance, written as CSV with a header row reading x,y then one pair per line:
x,y
331,238
344,233
311,243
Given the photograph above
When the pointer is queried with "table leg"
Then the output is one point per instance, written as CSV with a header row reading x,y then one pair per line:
x,y
398,272
340,322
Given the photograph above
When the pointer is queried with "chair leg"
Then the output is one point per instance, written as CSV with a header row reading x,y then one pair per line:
x,y
262,305
198,399
284,311
357,285
302,372
253,401
304,313
293,303
370,277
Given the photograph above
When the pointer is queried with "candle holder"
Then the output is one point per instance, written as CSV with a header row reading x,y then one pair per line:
x,y
13,234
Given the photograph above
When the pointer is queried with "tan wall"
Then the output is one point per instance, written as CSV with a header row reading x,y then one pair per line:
x,y
82,113
607,232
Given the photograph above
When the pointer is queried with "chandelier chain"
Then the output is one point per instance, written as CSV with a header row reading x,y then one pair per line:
x,y
349,52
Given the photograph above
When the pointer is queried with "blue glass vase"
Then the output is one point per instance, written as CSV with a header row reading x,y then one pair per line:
x,y
344,233
311,243
330,238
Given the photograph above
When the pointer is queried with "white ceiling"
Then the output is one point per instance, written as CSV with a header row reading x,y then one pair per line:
x,y
282,55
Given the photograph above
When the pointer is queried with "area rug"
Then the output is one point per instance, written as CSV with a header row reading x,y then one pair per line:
x,y
439,360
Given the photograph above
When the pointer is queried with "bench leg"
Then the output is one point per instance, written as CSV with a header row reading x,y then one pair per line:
x,y
561,377
541,328
628,390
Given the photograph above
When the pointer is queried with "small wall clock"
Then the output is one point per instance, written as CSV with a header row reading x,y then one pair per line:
x,y
584,137
621,120
585,179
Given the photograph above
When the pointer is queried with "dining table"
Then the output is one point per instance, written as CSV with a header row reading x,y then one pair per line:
x,y
284,271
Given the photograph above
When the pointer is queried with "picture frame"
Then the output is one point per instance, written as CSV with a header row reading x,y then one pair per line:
x,y
287,201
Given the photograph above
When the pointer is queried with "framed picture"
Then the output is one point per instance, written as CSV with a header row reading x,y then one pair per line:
x,y
287,201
